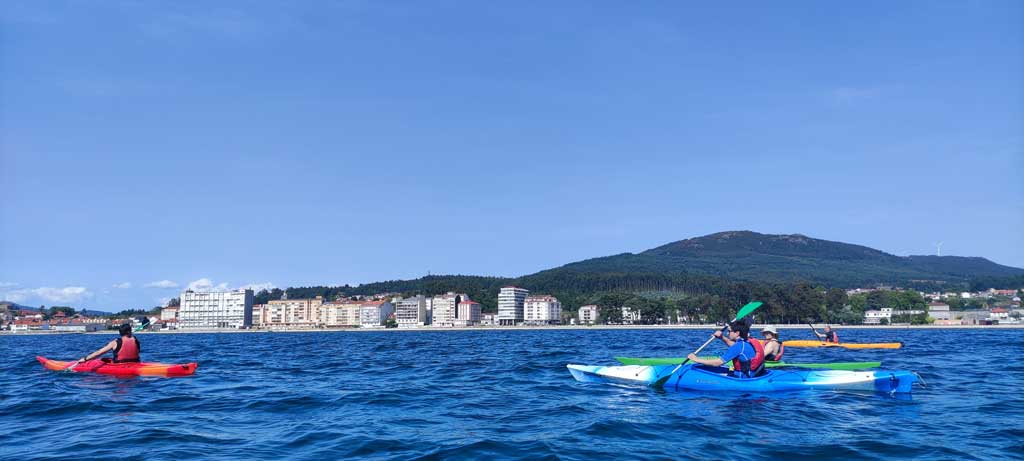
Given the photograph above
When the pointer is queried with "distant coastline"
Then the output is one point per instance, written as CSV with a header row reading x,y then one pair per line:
x,y
526,328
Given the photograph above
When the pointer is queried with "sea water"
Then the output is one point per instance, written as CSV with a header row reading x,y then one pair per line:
x,y
497,395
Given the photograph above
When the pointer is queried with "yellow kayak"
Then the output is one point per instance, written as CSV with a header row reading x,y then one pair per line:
x,y
816,343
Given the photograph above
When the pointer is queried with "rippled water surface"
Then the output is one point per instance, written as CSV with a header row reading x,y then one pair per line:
x,y
497,395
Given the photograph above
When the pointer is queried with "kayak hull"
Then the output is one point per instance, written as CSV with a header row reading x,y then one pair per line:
x,y
104,367
678,360
703,378
814,343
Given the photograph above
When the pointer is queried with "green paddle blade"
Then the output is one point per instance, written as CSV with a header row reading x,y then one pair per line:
x,y
748,309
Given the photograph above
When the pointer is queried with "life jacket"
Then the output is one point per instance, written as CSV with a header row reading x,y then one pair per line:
x,y
777,356
757,363
127,350
834,337
753,366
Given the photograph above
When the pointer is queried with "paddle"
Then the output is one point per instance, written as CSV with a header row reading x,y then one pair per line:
x,y
744,311
144,324
68,368
814,330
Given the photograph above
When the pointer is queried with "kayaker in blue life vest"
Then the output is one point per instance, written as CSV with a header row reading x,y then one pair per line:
x,y
126,348
830,335
741,352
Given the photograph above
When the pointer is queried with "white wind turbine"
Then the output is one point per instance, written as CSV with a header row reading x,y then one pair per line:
x,y
938,248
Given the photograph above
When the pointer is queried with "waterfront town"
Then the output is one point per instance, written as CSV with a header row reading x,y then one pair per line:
x,y
234,310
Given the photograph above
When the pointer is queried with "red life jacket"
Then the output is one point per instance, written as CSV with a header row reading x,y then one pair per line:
x,y
778,355
754,366
835,337
758,360
127,350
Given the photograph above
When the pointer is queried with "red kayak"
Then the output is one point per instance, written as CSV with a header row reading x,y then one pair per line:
x,y
105,367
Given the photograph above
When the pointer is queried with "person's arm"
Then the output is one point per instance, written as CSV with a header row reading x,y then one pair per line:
x,y
725,339
821,336
772,348
715,362
110,346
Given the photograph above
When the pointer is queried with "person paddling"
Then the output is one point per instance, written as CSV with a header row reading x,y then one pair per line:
x,y
773,348
126,348
747,356
830,335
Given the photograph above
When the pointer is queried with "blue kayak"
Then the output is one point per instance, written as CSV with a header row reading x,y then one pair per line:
x,y
704,378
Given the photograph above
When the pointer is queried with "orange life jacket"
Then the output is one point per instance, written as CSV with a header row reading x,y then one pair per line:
x,y
127,350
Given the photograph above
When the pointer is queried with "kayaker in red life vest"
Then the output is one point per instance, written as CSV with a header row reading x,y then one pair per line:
x,y
773,348
746,354
126,348
830,335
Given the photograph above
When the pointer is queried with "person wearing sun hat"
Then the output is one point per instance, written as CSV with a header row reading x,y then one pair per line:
x,y
773,348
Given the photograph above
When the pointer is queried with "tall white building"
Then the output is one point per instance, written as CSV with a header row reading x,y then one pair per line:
x,y
510,305
411,312
221,309
588,314
542,310
446,308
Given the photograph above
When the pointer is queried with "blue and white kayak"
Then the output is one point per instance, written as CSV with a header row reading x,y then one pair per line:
x,y
705,378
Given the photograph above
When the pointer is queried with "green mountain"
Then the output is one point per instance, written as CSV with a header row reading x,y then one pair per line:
x,y
728,264
750,256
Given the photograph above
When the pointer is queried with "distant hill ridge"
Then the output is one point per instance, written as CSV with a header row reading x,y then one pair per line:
x,y
746,255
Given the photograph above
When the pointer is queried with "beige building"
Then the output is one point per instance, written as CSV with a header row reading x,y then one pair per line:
x,y
345,313
446,308
171,313
291,313
469,314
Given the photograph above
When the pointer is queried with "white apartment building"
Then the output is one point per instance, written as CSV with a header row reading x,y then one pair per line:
x,y
469,314
446,308
488,319
342,313
510,305
411,312
542,310
222,309
875,316
374,313
630,315
588,314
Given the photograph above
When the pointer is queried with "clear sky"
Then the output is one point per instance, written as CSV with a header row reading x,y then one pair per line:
x,y
146,146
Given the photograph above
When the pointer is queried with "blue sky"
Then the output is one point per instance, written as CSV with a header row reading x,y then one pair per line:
x,y
147,146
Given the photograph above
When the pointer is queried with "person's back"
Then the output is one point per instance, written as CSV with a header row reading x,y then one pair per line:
x,y
128,347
